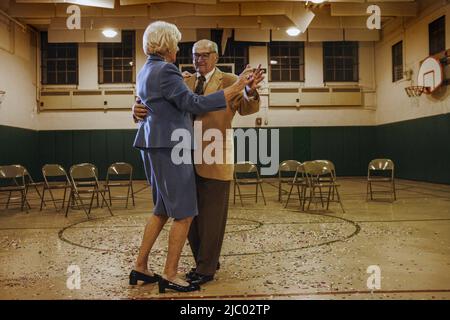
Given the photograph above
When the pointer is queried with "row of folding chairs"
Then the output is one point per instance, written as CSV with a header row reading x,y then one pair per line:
x,y
318,174
312,175
83,181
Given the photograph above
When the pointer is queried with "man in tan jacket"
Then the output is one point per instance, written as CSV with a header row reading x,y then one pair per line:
x,y
213,180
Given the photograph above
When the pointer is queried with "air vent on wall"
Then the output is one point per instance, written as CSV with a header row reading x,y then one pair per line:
x,y
119,92
315,90
87,93
55,93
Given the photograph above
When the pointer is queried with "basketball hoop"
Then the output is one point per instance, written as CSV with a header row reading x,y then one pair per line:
x,y
415,91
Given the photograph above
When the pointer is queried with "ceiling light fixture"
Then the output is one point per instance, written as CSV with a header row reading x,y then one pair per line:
x,y
109,33
293,31
107,4
273,62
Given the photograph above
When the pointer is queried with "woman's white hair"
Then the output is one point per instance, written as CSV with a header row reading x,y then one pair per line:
x,y
161,38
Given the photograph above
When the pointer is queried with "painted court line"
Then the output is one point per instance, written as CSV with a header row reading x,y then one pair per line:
x,y
298,294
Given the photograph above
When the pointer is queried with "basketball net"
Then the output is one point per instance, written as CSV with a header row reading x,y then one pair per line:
x,y
414,93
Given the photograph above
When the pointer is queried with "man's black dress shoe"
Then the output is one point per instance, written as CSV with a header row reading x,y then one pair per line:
x,y
188,275
197,278
164,284
136,275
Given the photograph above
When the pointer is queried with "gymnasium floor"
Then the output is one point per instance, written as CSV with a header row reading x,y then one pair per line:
x,y
269,252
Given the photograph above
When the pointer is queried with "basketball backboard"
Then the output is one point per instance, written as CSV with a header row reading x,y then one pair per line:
x,y
431,74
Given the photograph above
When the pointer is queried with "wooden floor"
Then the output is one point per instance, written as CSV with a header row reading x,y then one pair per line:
x,y
269,252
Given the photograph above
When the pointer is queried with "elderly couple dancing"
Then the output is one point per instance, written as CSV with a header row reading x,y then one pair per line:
x,y
195,197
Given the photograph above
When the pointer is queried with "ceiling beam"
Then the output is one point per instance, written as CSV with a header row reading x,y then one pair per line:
x,y
109,4
299,1
267,8
20,10
167,10
131,2
137,23
221,9
387,9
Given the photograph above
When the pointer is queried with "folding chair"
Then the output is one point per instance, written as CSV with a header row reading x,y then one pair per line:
x,y
55,178
12,179
124,171
299,181
286,172
331,179
385,166
247,169
29,182
83,178
321,174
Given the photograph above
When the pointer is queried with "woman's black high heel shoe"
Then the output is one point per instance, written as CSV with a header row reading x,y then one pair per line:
x,y
164,284
136,275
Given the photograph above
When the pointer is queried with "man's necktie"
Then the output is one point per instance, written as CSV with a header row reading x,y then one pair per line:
x,y
200,84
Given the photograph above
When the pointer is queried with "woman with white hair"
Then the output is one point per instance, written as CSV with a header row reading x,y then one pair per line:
x,y
170,104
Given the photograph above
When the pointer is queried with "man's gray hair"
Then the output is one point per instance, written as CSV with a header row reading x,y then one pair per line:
x,y
206,43
161,38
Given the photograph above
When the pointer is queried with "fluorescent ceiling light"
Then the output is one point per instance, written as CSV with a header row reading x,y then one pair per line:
x,y
109,33
293,31
317,1
273,62
108,4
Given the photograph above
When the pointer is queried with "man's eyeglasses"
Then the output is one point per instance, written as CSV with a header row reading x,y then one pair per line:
x,y
204,56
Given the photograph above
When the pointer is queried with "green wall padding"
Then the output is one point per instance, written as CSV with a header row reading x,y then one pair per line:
x,y
19,146
420,148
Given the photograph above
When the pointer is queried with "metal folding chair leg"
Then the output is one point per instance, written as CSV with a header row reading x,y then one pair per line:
x,y
300,195
69,202
262,193
304,190
279,191
64,198
329,196
339,199
107,205
289,195
109,194
53,199
393,190
7,201
240,194
321,196
311,196
82,205
128,196
42,200
132,194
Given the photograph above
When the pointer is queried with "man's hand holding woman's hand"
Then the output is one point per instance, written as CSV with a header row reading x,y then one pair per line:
x,y
246,77
139,111
249,77
257,77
